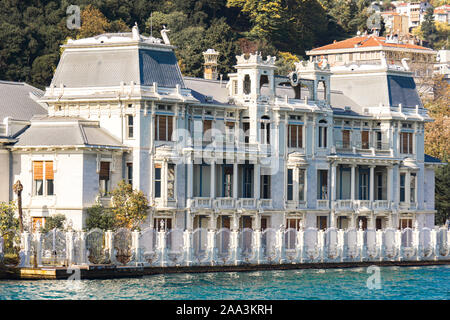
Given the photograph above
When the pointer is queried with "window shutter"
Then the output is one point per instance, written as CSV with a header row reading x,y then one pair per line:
x,y
49,170
104,170
169,128
300,136
38,170
162,128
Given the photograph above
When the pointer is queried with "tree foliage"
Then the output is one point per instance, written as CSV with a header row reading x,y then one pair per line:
x,y
100,217
130,207
56,221
8,220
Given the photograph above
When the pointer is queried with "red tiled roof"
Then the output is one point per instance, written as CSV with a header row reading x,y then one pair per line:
x,y
365,42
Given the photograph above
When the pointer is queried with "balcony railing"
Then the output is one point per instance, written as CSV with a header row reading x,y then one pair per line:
x,y
344,204
322,204
224,203
381,205
265,203
362,204
247,203
202,202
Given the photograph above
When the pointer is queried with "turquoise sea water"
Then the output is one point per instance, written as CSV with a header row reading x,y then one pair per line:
x,y
397,283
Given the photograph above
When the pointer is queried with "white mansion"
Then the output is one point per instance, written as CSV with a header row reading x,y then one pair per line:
x,y
320,148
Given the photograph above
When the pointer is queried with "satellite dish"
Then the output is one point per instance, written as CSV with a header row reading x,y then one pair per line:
x,y
293,77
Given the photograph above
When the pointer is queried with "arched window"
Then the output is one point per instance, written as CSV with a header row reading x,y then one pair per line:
x,y
265,130
247,84
323,133
322,91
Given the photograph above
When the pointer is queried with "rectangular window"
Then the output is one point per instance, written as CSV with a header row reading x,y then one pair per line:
x,y
248,175
207,125
405,223
365,139
363,185
130,173
413,188
227,181
406,142
38,178
157,181
345,139
379,190
295,138
104,178
43,178
322,192
49,177
171,181
229,132
246,128
130,126
402,187
163,128
379,136
322,137
301,185
265,187
235,87
290,184
293,223
265,133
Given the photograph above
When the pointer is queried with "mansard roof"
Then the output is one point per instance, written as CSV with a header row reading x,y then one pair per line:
x,y
66,132
430,159
18,101
103,67
208,91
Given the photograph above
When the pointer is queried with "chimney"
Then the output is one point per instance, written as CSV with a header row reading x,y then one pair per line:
x,y
210,64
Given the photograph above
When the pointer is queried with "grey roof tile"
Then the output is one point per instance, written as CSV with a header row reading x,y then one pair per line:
x,y
16,102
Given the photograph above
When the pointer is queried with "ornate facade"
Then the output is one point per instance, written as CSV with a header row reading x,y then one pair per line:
x,y
324,147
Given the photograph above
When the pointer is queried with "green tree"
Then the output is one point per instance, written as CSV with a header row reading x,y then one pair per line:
x,y
130,207
442,193
54,222
100,217
428,28
8,220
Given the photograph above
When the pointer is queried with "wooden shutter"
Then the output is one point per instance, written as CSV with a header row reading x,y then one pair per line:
x,y
162,128
404,143
300,136
104,170
48,170
38,170
293,138
169,128
365,140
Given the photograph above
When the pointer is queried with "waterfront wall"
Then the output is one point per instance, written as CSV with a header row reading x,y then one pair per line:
x,y
177,247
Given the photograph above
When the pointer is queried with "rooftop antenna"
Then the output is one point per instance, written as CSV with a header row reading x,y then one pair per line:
x,y
151,24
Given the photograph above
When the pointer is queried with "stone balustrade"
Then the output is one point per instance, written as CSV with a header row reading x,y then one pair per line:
x,y
177,247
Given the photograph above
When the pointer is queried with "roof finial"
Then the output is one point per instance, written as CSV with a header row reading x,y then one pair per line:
x,y
164,35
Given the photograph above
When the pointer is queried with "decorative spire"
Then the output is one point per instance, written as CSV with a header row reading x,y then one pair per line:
x,y
164,35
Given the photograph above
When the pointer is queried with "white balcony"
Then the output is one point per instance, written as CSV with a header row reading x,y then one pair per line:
x,y
344,204
362,204
265,203
224,203
322,204
165,203
381,205
247,203
202,202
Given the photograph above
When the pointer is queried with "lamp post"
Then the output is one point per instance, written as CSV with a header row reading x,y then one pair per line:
x,y
18,188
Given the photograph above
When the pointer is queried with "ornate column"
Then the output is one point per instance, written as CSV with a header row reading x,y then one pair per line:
x,y
256,178
235,180
408,187
352,182
372,184
190,178
213,180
